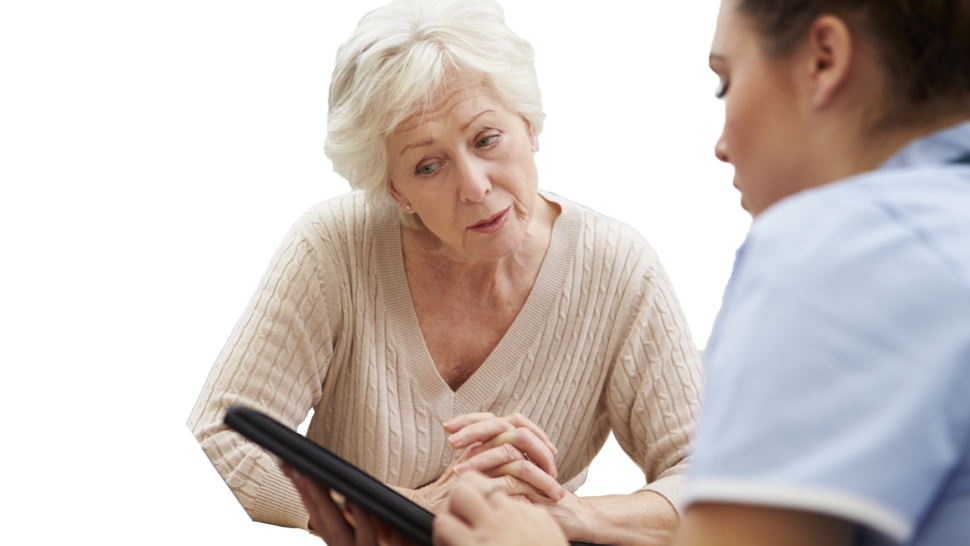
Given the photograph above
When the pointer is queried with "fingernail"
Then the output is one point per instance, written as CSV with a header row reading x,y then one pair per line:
x,y
449,424
455,439
562,492
553,447
462,468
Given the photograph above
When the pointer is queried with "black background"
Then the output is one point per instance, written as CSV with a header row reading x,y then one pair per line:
x,y
631,122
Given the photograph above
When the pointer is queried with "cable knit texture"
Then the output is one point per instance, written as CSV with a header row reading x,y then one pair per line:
x,y
601,344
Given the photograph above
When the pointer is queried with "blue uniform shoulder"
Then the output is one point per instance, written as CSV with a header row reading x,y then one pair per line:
x,y
889,209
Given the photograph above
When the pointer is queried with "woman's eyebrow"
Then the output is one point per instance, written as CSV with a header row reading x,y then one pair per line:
x,y
428,142
431,141
476,117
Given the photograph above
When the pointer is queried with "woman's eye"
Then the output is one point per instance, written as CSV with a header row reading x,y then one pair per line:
x,y
722,88
486,141
430,168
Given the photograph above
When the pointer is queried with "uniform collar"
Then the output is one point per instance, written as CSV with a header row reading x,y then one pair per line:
x,y
939,147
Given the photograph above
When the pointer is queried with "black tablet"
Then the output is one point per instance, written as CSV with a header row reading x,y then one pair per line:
x,y
322,465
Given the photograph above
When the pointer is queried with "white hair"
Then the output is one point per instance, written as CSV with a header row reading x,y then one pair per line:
x,y
397,61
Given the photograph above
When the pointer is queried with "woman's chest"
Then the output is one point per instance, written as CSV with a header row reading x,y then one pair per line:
x,y
460,333
462,321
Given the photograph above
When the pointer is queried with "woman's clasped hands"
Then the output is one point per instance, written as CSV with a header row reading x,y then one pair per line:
x,y
512,454
518,458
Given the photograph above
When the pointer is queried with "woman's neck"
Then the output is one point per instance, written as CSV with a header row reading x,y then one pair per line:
x,y
843,153
898,138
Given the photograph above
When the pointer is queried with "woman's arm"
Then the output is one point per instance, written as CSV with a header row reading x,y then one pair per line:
x,y
275,361
713,524
645,517
652,398
478,517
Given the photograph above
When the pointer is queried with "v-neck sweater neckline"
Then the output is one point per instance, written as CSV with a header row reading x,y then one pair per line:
x,y
486,384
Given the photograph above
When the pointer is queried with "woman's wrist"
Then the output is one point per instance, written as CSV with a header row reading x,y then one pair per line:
x,y
582,521
644,517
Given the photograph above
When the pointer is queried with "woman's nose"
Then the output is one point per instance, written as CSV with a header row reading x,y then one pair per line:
x,y
474,183
721,150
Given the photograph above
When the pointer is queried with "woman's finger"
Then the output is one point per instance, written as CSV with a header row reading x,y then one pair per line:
x,y
467,498
481,514
481,431
525,472
518,420
325,518
364,532
524,441
454,425
485,460
536,449
386,536
450,531
510,487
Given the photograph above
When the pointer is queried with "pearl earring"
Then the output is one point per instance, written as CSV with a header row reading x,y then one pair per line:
x,y
533,148
408,207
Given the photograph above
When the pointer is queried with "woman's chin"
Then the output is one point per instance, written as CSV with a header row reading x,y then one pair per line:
x,y
745,208
498,245
744,204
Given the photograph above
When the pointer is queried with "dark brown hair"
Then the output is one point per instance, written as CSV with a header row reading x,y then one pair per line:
x,y
924,45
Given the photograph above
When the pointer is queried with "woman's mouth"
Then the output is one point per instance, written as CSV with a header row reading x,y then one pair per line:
x,y
493,224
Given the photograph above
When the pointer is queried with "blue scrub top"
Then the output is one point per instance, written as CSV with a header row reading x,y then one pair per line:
x,y
839,366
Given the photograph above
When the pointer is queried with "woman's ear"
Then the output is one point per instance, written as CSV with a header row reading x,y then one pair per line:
x,y
397,196
831,53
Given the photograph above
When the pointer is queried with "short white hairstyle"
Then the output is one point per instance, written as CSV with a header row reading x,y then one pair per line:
x,y
396,62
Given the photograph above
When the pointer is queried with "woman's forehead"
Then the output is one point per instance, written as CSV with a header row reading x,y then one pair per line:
x,y
458,104
729,30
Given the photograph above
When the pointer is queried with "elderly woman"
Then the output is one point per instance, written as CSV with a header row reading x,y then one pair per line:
x,y
838,408
450,291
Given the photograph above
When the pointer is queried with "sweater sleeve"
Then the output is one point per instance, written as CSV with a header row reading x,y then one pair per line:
x,y
275,361
653,394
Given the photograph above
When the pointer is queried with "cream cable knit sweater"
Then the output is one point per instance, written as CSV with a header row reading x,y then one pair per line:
x,y
600,344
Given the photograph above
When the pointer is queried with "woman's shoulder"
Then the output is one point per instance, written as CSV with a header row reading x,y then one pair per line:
x,y
336,236
341,212
903,218
597,234
345,220
600,244
887,203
